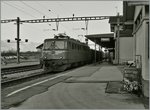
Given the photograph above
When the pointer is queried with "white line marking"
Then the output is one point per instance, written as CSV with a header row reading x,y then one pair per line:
x,y
16,91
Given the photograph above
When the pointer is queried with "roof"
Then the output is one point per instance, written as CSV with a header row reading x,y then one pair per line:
x,y
142,2
40,46
129,8
104,40
100,35
126,33
113,20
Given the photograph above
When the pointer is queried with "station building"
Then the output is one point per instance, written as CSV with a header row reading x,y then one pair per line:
x,y
141,40
133,41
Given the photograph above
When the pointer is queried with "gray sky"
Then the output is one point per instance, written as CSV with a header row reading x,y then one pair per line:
x,y
38,9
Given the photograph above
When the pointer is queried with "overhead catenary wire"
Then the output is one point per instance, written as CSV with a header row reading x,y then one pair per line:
x,y
48,20
40,12
33,8
16,7
19,9
47,9
54,14
73,15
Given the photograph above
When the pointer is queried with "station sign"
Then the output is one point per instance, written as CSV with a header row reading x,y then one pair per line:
x,y
105,39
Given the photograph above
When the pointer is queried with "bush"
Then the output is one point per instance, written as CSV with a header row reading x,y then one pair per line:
x,y
8,53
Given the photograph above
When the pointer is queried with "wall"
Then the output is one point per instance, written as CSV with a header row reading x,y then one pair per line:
x,y
125,49
141,49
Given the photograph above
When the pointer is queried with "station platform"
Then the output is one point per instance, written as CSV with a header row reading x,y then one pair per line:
x,y
19,65
85,88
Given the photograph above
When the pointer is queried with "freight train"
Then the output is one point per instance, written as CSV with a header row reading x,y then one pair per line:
x,y
63,52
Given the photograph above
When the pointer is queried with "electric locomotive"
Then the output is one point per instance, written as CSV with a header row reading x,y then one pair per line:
x,y
63,52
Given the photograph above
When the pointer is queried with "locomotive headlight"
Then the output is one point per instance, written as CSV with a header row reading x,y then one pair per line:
x,y
61,57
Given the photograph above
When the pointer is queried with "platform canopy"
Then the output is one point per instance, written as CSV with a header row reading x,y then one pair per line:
x,y
104,40
40,46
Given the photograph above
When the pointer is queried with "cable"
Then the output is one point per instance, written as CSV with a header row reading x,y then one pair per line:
x,y
47,9
42,7
63,8
32,8
56,15
19,9
67,11
29,13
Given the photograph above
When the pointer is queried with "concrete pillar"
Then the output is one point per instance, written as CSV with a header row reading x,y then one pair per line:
x,y
116,50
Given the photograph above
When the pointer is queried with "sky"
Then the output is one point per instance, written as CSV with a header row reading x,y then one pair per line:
x,y
28,10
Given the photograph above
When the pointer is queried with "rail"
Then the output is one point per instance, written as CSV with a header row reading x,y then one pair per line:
x,y
9,80
13,70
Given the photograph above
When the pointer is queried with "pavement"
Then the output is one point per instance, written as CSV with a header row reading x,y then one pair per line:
x,y
87,91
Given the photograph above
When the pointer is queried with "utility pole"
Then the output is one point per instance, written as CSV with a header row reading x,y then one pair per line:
x,y
95,52
18,40
86,28
118,35
99,52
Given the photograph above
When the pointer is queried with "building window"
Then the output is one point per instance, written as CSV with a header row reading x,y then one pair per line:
x,y
138,19
72,46
147,8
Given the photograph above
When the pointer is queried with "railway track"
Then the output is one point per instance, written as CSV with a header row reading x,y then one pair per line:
x,y
21,77
20,74
16,73
13,70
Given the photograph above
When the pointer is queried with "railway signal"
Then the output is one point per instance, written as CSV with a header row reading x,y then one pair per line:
x,y
8,41
26,40
18,40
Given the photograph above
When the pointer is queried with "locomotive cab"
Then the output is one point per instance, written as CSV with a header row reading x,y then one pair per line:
x,y
54,53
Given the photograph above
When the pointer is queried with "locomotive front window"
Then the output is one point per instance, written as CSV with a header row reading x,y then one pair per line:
x,y
55,45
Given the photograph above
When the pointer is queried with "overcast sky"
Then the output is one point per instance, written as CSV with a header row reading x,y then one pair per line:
x,y
52,9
